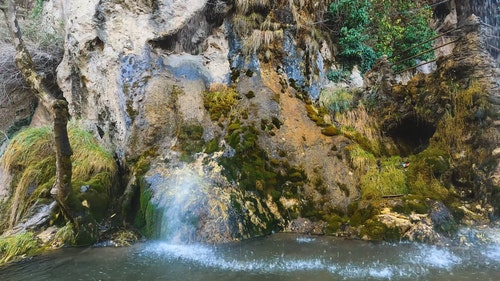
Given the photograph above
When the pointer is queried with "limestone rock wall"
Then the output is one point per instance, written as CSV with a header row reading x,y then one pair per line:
x,y
135,73
108,50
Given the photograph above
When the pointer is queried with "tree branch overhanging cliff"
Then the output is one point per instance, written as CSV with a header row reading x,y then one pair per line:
x,y
53,101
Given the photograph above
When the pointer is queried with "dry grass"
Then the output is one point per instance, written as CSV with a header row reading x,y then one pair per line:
x,y
30,167
261,38
258,32
45,46
245,6
361,121
360,159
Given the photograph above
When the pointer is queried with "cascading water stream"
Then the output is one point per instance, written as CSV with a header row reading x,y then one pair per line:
x,y
180,201
178,219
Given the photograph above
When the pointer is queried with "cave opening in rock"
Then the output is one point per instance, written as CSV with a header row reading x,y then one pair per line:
x,y
167,42
412,135
441,11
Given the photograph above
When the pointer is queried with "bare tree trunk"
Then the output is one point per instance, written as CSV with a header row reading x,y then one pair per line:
x,y
55,103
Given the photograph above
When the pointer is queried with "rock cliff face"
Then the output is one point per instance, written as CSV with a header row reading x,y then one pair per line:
x,y
222,98
140,75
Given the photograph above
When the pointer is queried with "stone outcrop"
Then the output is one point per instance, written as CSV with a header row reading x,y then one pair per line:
x,y
136,72
220,98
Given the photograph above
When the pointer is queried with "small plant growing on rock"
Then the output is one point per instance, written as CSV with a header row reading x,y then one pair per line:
x,y
219,101
336,100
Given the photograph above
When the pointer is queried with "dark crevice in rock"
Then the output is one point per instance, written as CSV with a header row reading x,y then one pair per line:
x,y
191,37
411,135
441,11
167,43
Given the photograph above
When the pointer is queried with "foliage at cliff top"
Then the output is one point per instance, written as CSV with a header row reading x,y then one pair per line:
x,y
368,29
30,160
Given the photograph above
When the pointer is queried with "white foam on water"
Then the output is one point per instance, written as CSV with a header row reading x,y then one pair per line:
x,y
378,271
384,272
493,235
373,271
209,257
433,257
492,252
305,239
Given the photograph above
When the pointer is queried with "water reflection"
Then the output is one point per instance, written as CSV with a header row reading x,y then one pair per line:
x,y
276,257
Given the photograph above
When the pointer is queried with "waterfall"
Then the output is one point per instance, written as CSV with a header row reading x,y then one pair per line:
x,y
180,198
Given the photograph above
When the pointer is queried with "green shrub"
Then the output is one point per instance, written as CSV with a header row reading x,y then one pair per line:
x,y
336,100
354,19
368,29
338,75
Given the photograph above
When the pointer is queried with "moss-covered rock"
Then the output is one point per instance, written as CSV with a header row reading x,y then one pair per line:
x,y
219,102
376,230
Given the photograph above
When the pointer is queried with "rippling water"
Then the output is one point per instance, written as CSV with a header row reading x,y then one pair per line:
x,y
276,257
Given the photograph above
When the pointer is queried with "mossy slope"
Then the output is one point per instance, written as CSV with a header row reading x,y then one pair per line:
x,y
30,159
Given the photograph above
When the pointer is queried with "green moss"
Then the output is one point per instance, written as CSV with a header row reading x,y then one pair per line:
x,y
94,173
310,211
376,230
436,159
219,103
146,218
235,74
423,173
212,146
190,141
344,189
142,165
411,204
314,115
361,159
386,177
276,122
334,223
252,169
296,175
361,140
361,214
330,130
233,127
130,110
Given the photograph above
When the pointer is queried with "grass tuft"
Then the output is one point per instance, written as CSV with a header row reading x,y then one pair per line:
x,y
17,246
30,159
336,100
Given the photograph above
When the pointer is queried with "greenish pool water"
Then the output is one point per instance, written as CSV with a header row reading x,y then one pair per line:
x,y
275,257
